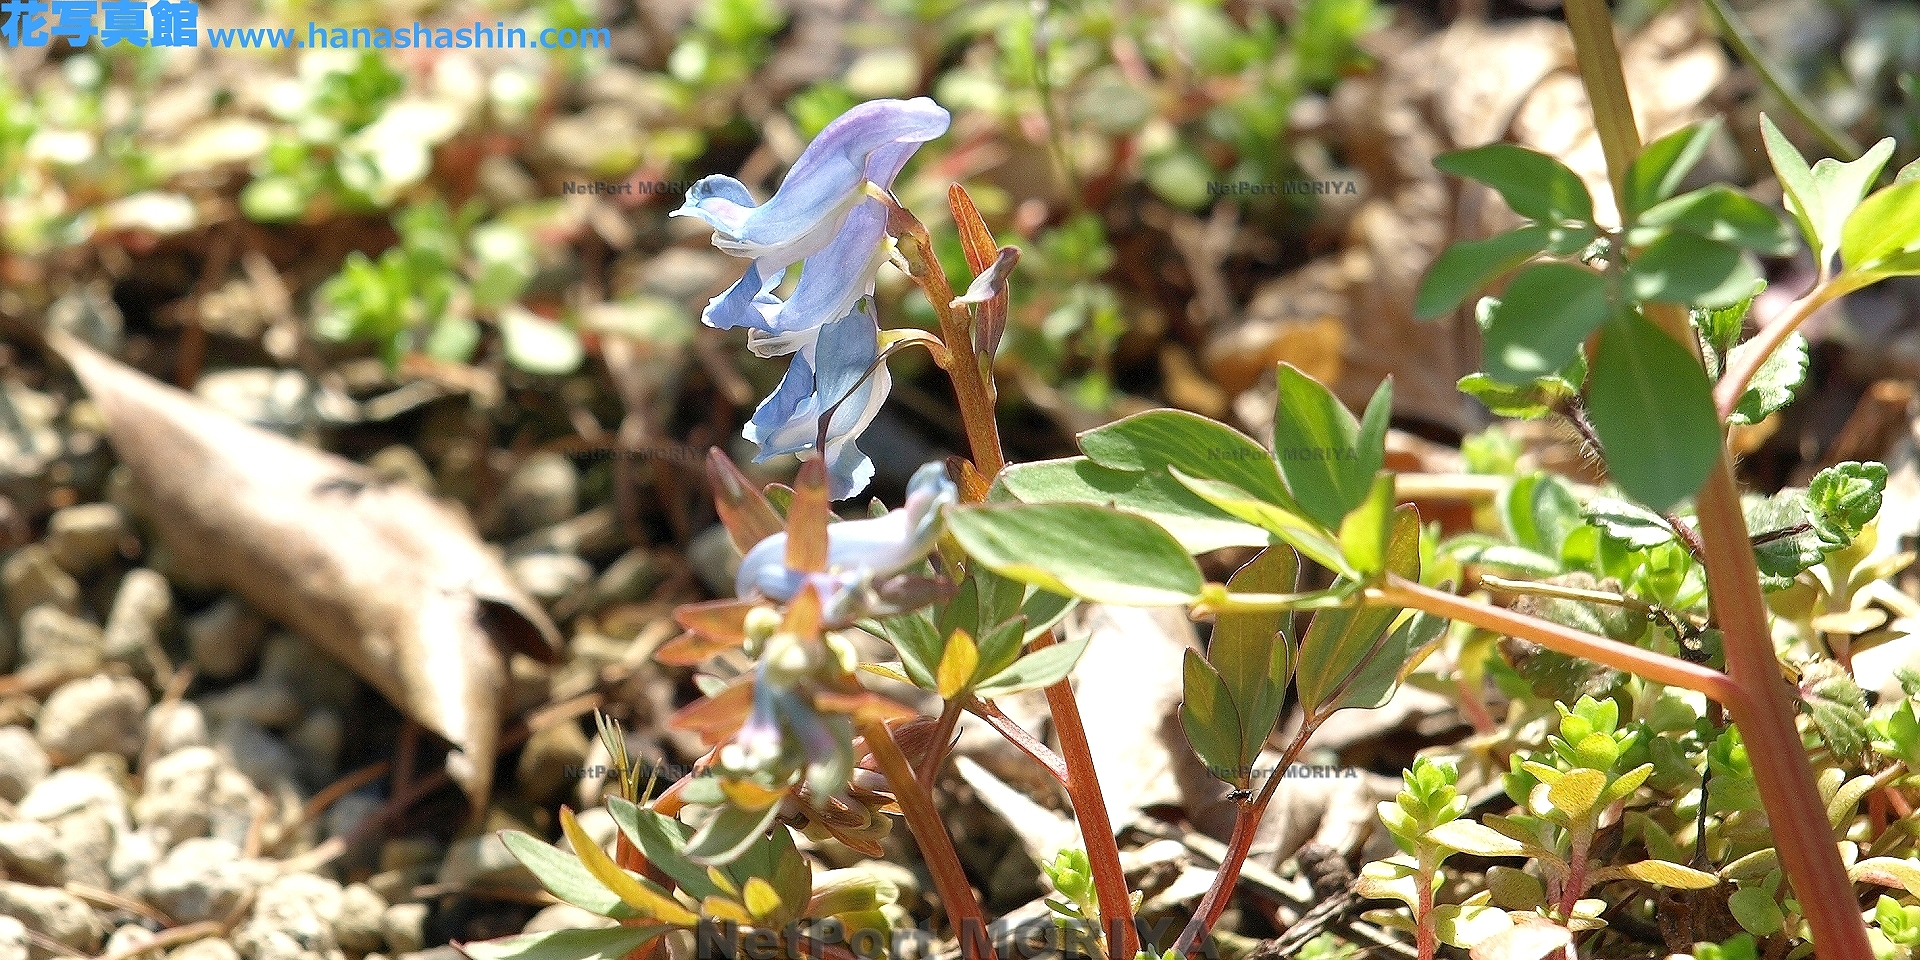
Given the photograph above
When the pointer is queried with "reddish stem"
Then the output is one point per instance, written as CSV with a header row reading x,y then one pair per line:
x,y
1246,824
930,834
1090,807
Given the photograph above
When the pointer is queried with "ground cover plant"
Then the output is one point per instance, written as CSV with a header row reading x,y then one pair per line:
x,y
392,632
1646,797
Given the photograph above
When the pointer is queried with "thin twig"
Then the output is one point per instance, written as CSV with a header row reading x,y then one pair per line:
x,y
1017,735
1734,31
107,898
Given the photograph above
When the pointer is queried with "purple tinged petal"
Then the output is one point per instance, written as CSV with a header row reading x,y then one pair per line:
x,y
748,303
721,201
840,273
873,549
758,741
824,183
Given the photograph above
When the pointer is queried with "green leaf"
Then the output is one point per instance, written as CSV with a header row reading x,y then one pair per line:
x,y
919,644
605,943
1824,197
1774,383
1199,526
1001,646
1576,793
1372,685
1756,911
1157,439
1537,326
1531,401
1720,327
636,891
1363,534
1040,668
728,835
1629,523
1838,707
1844,498
1303,534
1653,410
1342,640
538,345
1470,837
1253,652
1328,459
1089,552
453,339
1535,185
1722,213
564,875
1663,165
662,840
1540,510
1207,715
1885,224
1464,268
1784,541
1466,925
1690,269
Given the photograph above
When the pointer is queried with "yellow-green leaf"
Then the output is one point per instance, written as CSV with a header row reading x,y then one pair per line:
x,y
1663,874
760,899
1577,793
634,891
957,664
1467,836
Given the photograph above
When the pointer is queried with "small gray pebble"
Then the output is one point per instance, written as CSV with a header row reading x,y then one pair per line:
x,y
225,638
56,914
13,939
404,927
94,714
358,927
293,919
53,639
177,726
22,763
84,538
196,792
31,851
140,608
29,577
211,948
542,491
203,879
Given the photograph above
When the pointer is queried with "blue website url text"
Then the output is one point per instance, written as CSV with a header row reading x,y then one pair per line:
x,y
176,23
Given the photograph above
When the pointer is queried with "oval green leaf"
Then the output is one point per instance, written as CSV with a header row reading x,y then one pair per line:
x,y
1089,552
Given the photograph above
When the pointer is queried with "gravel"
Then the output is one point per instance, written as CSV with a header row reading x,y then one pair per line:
x,y
94,714
55,914
23,763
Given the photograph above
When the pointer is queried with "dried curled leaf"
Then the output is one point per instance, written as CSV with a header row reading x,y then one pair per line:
x,y
378,574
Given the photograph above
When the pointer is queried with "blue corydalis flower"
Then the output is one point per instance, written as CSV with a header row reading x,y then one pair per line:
x,y
821,218
830,371
858,551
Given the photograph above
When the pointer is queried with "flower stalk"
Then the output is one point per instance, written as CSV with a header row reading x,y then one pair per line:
x,y
1763,708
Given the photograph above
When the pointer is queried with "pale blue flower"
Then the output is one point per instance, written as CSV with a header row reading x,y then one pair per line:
x,y
859,552
830,366
821,218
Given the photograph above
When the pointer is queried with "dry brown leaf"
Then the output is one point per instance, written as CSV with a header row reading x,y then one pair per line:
x,y
381,576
